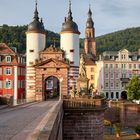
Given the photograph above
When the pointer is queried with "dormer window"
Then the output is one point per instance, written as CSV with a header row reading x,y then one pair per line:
x,y
8,59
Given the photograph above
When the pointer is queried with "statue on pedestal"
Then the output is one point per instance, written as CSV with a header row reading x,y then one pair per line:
x,y
82,69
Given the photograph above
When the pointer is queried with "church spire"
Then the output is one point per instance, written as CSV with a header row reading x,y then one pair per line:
x,y
90,22
70,12
89,12
36,12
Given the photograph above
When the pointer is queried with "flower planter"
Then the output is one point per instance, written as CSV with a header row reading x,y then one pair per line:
x,y
138,135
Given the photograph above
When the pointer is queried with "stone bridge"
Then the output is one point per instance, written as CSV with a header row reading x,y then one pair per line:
x,y
54,120
73,119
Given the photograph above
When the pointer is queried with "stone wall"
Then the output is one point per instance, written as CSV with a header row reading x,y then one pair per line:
x,y
127,113
83,125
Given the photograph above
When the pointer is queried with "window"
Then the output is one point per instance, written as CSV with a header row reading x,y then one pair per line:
x,y
92,69
117,95
117,75
106,75
123,75
8,71
0,70
130,66
117,85
111,85
8,58
0,83
106,94
135,66
92,77
117,66
130,75
106,65
112,76
31,51
111,66
106,84
8,84
123,66
72,50
72,62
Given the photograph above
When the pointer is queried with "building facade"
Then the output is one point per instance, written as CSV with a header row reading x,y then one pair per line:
x,y
115,69
12,73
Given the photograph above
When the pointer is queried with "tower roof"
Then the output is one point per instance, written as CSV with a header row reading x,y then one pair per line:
x,y
69,24
89,23
36,25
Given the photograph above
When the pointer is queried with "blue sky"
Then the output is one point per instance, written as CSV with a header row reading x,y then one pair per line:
x,y
108,15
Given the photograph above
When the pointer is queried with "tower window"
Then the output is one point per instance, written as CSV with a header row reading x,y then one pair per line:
x,y
57,69
72,62
72,50
31,50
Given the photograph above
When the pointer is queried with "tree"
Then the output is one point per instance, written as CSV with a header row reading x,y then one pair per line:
x,y
133,88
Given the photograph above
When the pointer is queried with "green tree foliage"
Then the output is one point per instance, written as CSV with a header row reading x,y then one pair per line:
x,y
15,36
133,88
128,39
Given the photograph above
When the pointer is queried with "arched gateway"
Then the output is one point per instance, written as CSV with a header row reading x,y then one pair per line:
x,y
51,87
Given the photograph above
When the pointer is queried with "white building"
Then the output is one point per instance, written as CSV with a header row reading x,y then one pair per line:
x,y
115,69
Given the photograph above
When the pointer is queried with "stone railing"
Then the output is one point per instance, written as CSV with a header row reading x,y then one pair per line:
x,y
84,104
51,127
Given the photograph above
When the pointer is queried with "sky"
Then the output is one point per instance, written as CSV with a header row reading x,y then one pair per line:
x,y
108,15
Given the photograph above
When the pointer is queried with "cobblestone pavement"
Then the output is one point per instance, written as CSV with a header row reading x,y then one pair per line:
x,y
17,123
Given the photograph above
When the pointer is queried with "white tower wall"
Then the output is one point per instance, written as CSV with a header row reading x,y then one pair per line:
x,y
35,42
69,42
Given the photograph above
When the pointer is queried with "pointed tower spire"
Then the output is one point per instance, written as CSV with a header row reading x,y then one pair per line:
x,y
70,12
90,22
89,12
36,12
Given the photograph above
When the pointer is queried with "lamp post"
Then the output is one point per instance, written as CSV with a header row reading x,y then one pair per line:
x,y
61,79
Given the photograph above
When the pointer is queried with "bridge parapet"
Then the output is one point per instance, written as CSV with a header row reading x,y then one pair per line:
x,y
84,104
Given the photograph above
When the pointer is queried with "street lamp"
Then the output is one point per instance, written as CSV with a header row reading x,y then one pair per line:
x,y
61,79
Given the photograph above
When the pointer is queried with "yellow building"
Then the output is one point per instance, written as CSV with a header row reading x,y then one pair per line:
x,y
91,71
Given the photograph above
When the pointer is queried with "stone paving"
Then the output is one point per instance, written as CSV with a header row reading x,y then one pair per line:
x,y
18,123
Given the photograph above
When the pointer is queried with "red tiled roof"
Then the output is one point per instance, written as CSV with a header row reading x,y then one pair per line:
x,y
4,49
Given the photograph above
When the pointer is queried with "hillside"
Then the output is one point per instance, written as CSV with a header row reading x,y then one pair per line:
x,y
15,36
128,38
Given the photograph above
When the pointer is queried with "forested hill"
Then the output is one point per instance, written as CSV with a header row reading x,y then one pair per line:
x,y
128,38
15,36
